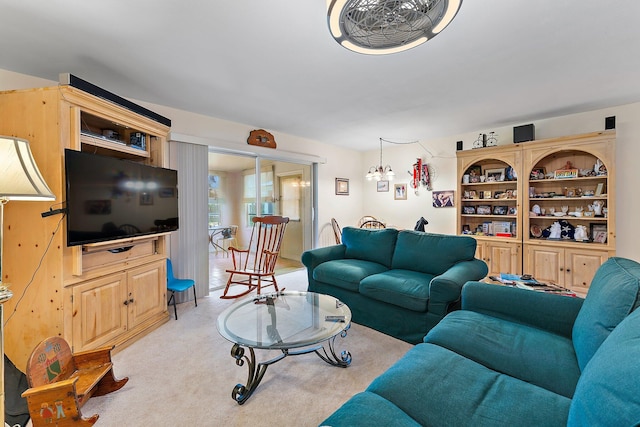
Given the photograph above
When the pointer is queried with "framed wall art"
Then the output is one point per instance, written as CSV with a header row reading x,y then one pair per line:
x,y
342,186
400,192
443,199
383,186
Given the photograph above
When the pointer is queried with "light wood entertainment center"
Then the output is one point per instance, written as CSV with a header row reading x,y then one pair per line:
x,y
87,294
565,262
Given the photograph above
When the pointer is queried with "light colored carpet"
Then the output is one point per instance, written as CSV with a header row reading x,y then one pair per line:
x,y
182,374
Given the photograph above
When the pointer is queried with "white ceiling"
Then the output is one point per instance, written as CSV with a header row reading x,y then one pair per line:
x,y
273,65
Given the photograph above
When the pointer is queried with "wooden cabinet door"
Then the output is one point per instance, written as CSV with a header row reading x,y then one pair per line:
x,y
581,266
502,257
99,313
147,292
480,251
546,264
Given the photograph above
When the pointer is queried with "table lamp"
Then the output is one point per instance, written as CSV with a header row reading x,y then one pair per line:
x,y
20,179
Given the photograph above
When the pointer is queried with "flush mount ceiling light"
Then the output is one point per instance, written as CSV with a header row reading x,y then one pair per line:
x,y
378,27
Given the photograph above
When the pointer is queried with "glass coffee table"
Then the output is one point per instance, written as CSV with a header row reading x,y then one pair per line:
x,y
292,322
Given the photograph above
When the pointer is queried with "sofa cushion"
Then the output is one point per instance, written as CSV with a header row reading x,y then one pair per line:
x,y
404,288
524,352
369,409
436,386
370,245
431,253
613,294
607,393
346,273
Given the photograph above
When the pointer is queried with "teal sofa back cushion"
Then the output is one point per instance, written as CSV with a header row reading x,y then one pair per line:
x,y
612,296
431,253
608,391
370,245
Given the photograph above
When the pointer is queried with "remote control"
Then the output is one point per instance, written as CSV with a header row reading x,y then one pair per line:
x,y
334,318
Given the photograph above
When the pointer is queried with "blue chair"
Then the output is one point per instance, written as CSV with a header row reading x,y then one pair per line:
x,y
178,285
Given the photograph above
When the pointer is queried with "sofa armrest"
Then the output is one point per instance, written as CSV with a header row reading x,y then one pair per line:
x,y
551,312
314,257
446,288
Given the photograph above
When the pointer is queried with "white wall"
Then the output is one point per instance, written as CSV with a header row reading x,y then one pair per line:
x,y
364,199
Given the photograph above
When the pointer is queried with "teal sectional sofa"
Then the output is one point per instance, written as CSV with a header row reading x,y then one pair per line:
x,y
513,357
401,283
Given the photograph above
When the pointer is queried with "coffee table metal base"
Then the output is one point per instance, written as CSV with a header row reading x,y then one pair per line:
x,y
242,392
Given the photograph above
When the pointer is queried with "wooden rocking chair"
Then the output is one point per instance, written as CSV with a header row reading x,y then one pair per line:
x,y
256,265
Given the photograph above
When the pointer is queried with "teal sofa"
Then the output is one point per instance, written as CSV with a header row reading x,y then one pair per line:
x,y
514,357
401,283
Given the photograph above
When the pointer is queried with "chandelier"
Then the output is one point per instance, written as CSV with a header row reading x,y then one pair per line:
x,y
378,27
380,172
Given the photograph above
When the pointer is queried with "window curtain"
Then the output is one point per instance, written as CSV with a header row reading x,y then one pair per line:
x,y
189,246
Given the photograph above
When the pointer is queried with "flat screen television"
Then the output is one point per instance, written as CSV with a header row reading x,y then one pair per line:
x,y
111,199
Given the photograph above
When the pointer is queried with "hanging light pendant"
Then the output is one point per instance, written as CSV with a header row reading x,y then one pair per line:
x,y
380,172
379,27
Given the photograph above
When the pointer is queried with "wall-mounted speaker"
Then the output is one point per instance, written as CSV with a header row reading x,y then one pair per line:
x,y
610,122
524,133
459,145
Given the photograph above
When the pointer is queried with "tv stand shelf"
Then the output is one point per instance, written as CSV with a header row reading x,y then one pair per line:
x,y
104,146
85,294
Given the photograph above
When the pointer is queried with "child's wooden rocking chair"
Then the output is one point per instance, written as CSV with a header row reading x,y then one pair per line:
x,y
256,264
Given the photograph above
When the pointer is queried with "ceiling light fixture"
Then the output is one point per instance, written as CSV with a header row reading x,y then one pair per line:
x,y
379,27
380,172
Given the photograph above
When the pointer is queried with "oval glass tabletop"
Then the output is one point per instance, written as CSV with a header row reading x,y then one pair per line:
x,y
284,320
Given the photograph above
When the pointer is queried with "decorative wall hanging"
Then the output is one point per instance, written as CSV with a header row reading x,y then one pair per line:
x,y
383,186
261,138
342,186
400,192
420,176
443,199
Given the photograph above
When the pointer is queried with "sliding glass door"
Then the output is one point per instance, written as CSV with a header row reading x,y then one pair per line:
x,y
241,187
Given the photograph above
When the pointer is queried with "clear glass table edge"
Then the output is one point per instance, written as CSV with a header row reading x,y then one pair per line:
x,y
235,339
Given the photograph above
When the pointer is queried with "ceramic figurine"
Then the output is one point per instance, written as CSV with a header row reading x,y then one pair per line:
x,y
596,207
580,233
556,231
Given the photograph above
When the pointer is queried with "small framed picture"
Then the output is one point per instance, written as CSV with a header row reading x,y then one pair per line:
x,y
483,210
474,173
486,194
598,232
383,186
400,192
500,210
342,186
473,194
468,210
494,175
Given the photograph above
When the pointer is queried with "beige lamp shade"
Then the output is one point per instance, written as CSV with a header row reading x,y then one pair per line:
x,y
20,178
